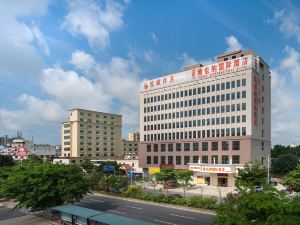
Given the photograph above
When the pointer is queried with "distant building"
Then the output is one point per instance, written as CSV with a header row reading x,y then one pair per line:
x,y
130,149
134,136
43,151
91,134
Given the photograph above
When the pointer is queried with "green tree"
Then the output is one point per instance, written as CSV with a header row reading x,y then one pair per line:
x,y
184,178
292,179
167,177
262,208
40,186
113,183
251,175
87,165
284,164
6,160
32,159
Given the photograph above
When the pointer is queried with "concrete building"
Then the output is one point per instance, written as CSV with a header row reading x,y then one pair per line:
x,y
211,119
130,149
45,152
91,134
134,136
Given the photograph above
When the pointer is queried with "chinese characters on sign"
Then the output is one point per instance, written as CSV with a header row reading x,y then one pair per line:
x,y
210,169
200,73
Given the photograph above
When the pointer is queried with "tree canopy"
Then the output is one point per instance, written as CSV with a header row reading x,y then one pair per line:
x,y
251,175
284,164
292,179
6,160
40,186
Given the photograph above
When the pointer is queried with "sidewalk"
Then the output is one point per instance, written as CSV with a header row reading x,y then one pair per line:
x,y
218,192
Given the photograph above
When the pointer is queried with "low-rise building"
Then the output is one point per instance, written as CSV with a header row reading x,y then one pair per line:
x,y
130,149
43,151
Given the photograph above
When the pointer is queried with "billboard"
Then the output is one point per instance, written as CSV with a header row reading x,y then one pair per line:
x,y
22,151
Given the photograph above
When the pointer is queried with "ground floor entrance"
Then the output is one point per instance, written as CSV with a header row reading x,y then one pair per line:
x,y
214,179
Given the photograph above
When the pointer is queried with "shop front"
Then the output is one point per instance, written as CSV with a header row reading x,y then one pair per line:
x,y
214,174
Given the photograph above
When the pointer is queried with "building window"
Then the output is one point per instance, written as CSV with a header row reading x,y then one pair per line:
x,y
163,160
155,159
205,159
214,146
235,159
236,145
170,147
195,159
214,159
195,146
204,146
186,146
225,159
170,159
186,159
178,147
148,148
148,159
163,147
225,145
178,160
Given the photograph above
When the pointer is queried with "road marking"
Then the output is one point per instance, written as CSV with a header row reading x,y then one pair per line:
x,y
95,200
187,217
117,212
133,207
165,222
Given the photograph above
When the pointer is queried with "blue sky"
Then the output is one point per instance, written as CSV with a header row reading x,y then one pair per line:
x,y
57,55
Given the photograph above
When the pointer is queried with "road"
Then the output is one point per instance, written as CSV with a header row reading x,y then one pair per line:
x,y
147,212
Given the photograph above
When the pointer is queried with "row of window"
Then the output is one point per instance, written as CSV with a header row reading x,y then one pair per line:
x,y
97,115
196,112
195,159
224,145
194,91
195,102
196,134
195,123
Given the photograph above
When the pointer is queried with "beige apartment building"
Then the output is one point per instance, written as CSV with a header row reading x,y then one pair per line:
x,y
134,136
211,119
91,134
130,149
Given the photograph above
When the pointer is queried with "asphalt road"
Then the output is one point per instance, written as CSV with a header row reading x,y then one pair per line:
x,y
6,213
147,212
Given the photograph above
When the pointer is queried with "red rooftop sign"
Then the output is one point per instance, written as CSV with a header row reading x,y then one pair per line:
x,y
199,73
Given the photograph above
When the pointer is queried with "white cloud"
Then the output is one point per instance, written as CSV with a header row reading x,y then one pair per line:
x,y
149,56
292,63
233,43
73,91
154,37
285,106
288,23
187,60
37,33
82,60
94,21
24,8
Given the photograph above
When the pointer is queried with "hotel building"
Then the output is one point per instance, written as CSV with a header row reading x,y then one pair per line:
x,y
211,119
91,134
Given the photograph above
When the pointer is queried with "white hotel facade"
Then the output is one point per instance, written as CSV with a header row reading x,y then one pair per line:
x,y
211,119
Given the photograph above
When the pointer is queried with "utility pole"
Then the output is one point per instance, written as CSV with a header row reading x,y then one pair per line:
x,y
268,179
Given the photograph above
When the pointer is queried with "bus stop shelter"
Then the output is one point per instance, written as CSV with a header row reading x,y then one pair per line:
x,y
76,215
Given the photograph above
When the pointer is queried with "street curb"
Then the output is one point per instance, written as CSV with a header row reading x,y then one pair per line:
x,y
209,212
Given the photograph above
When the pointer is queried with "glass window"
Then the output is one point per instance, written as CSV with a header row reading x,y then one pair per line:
x,y
225,145
195,159
186,159
178,147
148,159
163,159
163,147
204,146
170,147
235,159
186,146
236,145
225,159
195,146
214,159
149,148
170,159
155,159
204,159
155,148
214,146
178,160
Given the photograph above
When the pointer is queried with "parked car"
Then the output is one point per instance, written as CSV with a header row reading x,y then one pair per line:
x,y
258,188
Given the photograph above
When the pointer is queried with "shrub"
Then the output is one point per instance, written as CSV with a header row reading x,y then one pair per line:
x,y
202,202
133,191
